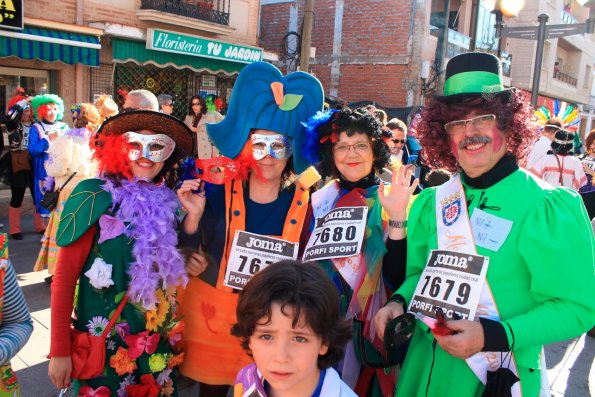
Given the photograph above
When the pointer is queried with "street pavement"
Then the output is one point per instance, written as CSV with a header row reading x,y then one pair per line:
x,y
570,366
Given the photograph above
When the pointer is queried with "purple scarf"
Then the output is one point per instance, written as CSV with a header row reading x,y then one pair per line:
x,y
150,211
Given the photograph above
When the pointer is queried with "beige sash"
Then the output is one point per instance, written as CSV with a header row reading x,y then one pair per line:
x,y
454,234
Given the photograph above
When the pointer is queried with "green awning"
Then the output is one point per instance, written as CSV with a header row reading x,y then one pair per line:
x,y
50,45
136,51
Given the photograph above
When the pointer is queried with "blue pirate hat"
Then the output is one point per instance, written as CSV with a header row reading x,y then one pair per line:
x,y
264,99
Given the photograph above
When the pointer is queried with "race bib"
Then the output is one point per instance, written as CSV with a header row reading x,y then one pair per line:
x,y
452,281
251,253
338,234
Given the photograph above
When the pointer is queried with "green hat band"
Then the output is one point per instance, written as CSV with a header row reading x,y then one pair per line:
x,y
473,82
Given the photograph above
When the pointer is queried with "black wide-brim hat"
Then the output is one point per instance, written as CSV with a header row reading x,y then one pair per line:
x,y
159,123
472,75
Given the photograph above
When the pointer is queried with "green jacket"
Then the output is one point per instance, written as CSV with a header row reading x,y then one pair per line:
x,y
542,279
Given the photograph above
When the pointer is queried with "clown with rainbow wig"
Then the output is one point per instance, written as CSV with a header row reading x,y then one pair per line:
x,y
48,110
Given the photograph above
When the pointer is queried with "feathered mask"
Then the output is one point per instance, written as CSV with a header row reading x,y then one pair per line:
x,y
315,137
218,170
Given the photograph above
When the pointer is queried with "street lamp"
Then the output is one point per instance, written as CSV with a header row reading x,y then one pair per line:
x,y
541,33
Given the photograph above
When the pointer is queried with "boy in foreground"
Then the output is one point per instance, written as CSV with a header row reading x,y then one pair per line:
x,y
288,321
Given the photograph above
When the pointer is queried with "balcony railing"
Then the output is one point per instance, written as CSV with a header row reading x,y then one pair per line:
x,y
565,78
216,11
567,18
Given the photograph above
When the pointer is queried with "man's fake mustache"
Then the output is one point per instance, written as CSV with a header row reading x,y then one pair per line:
x,y
474,139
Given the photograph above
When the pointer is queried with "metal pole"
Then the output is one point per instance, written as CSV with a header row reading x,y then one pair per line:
x,y
542,18
306,36
443,47
500,23
473,24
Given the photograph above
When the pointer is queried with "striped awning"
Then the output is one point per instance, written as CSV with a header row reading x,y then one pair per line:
x,y
50,45
136,51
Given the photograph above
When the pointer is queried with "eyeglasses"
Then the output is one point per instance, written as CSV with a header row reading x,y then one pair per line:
x,y
482,122
126,110
399,141
195,103
360,147
168,104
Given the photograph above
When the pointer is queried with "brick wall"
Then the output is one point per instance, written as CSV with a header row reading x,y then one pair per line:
x,y
124,12
276,26
374,61
65,12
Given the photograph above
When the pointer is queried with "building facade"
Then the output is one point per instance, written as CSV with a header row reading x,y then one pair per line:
x,y
79,49
568,62
393,52
385,52
364,50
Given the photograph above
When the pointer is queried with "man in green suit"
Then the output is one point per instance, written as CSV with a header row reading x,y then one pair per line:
x,y
499,263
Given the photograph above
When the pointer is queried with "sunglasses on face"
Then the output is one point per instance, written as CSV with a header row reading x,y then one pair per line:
x,y
195,103
399,141
126,110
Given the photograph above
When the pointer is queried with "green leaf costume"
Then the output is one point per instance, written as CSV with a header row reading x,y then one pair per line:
x,y
94,307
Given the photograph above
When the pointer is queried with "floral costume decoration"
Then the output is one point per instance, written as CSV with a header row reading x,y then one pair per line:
x,y
129,228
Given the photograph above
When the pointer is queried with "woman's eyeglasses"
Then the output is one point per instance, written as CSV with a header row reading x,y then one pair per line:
x,y
482,122
195,103
360,147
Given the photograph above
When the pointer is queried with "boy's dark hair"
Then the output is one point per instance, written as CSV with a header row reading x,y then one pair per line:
x,y
308,291
563,142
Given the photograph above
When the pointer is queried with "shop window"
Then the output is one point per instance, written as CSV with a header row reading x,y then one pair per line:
x,y
181,84
208,85
26,81
220,85
130,76
101,80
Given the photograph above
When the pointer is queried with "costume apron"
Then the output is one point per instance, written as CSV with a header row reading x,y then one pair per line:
x,y
211,311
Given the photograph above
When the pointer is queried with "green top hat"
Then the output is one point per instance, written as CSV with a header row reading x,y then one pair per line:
x,y
471,75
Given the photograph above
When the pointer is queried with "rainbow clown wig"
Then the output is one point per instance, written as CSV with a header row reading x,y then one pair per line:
x,y
264,99
40,102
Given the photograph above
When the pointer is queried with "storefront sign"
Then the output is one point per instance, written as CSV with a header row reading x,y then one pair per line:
x,y
161,40
11,14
